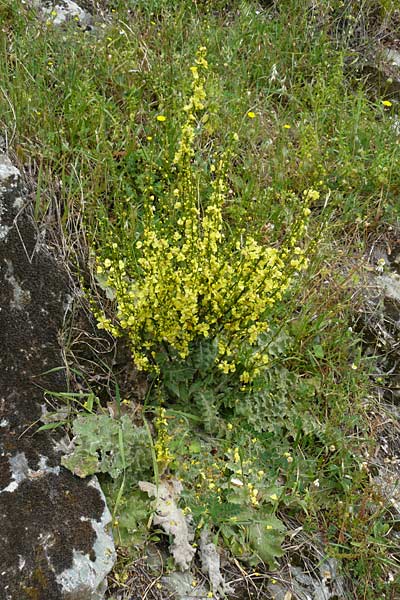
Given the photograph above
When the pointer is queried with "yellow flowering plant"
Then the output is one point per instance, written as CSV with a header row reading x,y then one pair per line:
x,y
187,278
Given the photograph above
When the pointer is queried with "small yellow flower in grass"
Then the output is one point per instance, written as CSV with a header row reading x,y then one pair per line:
x,y
161,118
288,457
251,114
149,138
387,103
287,126
311,194
229,426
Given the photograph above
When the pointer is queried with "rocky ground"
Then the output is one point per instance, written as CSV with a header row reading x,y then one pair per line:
x,y
67,518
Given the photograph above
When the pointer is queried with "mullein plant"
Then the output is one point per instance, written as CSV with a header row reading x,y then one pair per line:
x,y
189,278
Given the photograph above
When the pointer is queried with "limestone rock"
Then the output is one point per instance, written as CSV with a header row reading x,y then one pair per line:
x,y
321,583
61,11
54,538
382,66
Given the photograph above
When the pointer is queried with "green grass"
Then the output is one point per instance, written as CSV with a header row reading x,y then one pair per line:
x,y
93,101
80,112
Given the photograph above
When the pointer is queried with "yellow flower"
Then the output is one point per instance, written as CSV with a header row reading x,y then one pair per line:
x,y
386,103
287,126
245,377
224,366
187,282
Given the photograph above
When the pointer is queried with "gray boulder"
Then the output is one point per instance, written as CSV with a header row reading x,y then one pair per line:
x,y
62,11
55,541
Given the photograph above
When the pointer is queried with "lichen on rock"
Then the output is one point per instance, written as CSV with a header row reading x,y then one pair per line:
x,y
55,542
